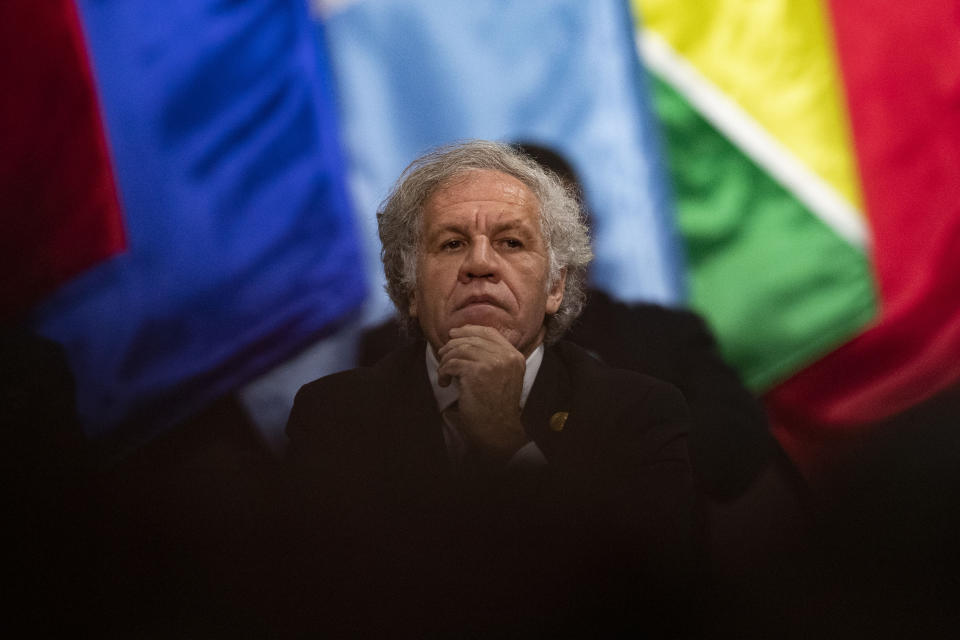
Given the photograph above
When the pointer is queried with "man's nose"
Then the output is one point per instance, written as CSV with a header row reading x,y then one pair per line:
x,y
480,261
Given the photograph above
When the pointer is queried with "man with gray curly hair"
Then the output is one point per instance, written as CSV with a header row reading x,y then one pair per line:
x,y
485,256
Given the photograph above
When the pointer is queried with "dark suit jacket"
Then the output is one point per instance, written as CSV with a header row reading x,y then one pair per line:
x,y
730,442
607,524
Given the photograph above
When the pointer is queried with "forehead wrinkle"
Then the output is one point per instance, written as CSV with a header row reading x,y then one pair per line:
x,y
465,188
485,200
474,210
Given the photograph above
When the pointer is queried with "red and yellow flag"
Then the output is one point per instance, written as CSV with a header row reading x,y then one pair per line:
x,y
815,149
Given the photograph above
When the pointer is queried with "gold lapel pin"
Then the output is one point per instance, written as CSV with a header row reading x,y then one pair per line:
x,y
558,420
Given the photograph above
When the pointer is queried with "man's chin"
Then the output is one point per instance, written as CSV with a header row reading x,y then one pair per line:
x,y
484,315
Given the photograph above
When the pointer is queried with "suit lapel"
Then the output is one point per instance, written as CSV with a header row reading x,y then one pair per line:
x,y
547,415
417,451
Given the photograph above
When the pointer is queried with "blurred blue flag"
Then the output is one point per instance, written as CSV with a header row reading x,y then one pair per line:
x,y
240,243
413,74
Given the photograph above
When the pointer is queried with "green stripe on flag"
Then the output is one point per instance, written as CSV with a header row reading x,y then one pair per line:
x,y
778,286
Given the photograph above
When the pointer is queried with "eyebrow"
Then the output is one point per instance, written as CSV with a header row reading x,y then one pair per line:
x,y
449,227
510,226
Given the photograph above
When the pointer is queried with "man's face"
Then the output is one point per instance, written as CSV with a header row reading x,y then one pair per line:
x,y
484,261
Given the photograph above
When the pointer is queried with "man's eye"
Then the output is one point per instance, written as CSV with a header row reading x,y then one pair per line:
x,y
452,245
512,243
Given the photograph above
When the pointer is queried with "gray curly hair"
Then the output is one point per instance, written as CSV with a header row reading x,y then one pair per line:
x,y
400,223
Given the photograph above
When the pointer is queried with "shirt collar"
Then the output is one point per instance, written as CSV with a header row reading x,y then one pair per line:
x,y
445,396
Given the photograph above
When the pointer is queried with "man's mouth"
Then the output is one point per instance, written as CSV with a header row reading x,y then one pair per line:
x,y
475,300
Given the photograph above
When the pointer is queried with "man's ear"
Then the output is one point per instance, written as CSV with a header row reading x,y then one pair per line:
x,y
555,294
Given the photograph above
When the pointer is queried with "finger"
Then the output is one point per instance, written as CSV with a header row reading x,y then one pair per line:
x,y
482,333
490,361
470,344
456,368
479,331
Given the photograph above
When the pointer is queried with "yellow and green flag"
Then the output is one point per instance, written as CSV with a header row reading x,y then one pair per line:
x,y
815,153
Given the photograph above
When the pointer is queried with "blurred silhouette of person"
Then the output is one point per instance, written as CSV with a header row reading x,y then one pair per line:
x,y
150,544
43,459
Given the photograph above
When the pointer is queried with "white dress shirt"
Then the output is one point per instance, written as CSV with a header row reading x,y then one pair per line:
x,y
529,455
